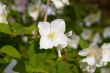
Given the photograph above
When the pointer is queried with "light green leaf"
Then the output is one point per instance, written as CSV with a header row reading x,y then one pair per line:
x,y
20,30
11,51
83,44
61,67
5,28
31,68
32,54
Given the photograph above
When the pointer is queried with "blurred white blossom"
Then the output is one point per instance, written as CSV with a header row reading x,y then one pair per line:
x,y
105,53
34,10
92,18
73,40
86,34
20,5
93,57
9,68
3,13
106,33
60,3
52,34
51,9
97,38
87,68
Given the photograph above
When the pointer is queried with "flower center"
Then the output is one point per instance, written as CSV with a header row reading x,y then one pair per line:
x,y
93,53
52,35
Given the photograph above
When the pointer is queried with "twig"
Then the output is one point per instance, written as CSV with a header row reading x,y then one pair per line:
x,y
46,11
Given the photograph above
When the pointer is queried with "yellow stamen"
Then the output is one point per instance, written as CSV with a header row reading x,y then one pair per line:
x,y
52,35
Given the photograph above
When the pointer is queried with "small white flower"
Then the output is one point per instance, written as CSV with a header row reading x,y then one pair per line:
x,y
92,18
93,57
97,38
86,34
106,33
52,34
9,68
3,13
34,10
51,9
60,3
105,53
73,40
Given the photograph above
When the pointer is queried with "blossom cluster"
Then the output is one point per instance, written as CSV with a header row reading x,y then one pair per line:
x,y
95,57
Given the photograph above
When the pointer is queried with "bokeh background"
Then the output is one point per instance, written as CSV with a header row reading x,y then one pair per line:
x,y
22,33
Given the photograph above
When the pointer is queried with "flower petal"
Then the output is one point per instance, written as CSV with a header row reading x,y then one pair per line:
x,y
69,34
61,40
84,52
106,58
45,43
44,28
58,25
91,61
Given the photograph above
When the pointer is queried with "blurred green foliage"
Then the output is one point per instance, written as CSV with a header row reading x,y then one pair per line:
x,y
30,58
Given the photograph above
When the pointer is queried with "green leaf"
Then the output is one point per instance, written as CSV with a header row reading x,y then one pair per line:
x,y
11,51
32,54
31,68
75,69
5,28
61,67
20,30
83,44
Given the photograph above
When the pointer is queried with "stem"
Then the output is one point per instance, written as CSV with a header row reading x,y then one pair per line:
x,y
59,53
46,12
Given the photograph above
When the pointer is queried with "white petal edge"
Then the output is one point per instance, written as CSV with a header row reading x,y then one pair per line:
x,y
44,28
58,25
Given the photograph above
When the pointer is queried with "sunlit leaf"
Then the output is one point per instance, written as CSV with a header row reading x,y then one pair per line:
x,y
11,51
5,28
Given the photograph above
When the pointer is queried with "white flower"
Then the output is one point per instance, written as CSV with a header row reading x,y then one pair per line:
x,y
52,34
105,53
51,9
85,67
86,34
34,10
73,40
106,32
9,68
92,18
3,13
97,38
93,57
60,3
